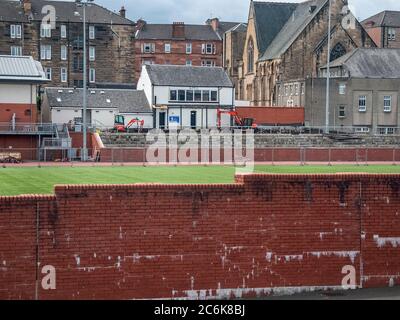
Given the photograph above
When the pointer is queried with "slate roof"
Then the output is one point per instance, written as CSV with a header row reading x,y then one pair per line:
x,y
186,76
384,19
372,63
294,26
126,101
164,32
270,17
224,26
65,11
21,68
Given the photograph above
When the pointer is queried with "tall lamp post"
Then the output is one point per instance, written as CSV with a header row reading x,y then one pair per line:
x,y
328,75
84,111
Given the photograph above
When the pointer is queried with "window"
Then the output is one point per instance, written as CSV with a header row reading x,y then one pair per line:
x,y
197,95
172,95
189,95
391,34
92,33
64,76
386,131
92,53
147,62
342,112
362,103
387,104
206,95
302,89
45,30
188,48
342,88
181,95
188,62
296,89
15,31
208,63
63,31
63,52
250,56
92,75
291,89
16,51
78,64
286,90
48,73
208,48
149,48
167,48
45,52
214,96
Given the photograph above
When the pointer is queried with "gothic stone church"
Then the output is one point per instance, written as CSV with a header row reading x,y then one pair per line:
x,y
286,44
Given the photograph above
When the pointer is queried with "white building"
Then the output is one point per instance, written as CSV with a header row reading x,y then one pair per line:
x,y
64,105
20,78
187,97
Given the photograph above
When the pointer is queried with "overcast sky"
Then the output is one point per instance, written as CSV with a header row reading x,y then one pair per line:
x,y
197,11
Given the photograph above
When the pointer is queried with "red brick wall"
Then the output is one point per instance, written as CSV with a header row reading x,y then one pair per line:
x,y
26,145
160,241
178,54
22,116
272,115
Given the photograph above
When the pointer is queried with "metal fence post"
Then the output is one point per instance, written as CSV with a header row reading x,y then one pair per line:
x,y
329,156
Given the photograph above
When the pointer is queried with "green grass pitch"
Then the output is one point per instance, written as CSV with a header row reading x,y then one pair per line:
x,y
35,180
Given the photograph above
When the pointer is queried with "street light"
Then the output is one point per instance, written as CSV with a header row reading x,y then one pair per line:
x,y
84,116
328,73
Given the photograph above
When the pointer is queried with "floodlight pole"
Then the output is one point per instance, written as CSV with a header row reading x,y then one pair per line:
x,y
84,120
328,75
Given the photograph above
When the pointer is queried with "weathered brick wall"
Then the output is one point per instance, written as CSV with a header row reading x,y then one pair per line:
x,y
288,232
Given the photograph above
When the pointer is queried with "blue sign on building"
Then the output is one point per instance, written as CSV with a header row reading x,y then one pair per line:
x,y
174,119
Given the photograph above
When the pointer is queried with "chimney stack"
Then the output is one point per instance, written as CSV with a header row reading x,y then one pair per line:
x,y
214,23
140,24
27,7
178,30
122,12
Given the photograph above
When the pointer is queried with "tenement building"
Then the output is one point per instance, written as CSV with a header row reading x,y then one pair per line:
x,y
110,52
384,28
286,43
177,44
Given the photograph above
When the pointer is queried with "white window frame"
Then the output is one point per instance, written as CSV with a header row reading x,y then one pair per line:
x,y
45,30
45,52
49,73
167,48
64,75
92,53
16,51
150,46
362,107
15,31
207,63
362,130
189,63
63,31
64,53
188,48
391,34
208,48
342,108
342,88
387,107
92,33
92,75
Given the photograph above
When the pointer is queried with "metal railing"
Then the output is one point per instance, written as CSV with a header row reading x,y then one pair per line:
x,y
27,128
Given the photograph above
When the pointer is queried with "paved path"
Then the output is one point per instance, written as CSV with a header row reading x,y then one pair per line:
x,y
363,294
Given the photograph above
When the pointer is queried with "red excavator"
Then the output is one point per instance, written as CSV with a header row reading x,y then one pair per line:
x,y
119,124
243,123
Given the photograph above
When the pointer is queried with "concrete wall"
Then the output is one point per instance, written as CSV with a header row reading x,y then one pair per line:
x,y
224,241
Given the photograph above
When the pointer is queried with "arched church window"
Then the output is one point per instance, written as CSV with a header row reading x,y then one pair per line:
x,y
250,56
338,51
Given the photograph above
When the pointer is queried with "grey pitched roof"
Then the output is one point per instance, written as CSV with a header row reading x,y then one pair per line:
x,y
384,18
164,32
371,63
294,26
270,17
186,76
65,11
12,11
126,101
25,69
224,26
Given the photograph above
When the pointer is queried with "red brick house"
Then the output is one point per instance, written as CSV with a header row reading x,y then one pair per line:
x,y
384,29
177,44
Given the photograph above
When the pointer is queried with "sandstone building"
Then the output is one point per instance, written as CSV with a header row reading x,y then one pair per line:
x,y
286,44
60,50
